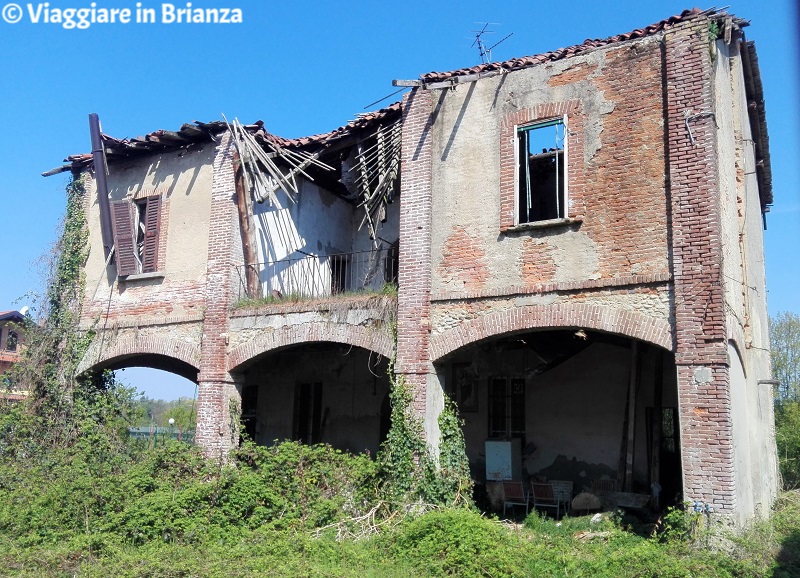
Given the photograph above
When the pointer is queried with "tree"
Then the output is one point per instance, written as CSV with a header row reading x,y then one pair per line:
x,y
784,336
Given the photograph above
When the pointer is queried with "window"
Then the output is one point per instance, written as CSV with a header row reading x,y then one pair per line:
x,y
307,412
541,162
136,233
11,341
507,407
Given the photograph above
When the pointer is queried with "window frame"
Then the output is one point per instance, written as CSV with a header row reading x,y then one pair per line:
x,y
130,258
506,406
562,204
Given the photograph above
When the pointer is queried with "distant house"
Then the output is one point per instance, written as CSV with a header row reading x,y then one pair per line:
x,y
11,344
568,244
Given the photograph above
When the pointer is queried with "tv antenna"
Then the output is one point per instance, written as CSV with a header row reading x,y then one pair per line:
x,y
486,53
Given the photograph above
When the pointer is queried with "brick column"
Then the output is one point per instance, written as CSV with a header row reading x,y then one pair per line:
x,y
696,251
216,433
414,276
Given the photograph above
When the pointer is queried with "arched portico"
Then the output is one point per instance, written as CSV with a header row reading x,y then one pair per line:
x,y
375,340
114,352
578,316
569,394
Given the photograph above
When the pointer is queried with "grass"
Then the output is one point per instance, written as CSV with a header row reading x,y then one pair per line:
x,y
388,289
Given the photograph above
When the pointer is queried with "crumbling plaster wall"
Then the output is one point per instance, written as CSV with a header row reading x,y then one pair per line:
x,y
316,223
622,204
184,180
744,290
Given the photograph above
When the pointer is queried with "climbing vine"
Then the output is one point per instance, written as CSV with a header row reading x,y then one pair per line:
x,y
66,408
411,472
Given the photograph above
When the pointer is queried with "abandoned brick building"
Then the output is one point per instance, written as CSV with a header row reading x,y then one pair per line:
x,y
575,239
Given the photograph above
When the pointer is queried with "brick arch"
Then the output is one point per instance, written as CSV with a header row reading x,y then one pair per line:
x,y
621,322
380,342
104,351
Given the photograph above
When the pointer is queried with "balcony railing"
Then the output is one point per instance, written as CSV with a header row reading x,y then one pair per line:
x,y
315,276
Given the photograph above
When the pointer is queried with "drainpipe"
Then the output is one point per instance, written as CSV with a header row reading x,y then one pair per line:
x,y
100,170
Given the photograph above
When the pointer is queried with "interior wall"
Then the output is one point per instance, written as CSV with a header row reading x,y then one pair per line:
x,y
355,387
574,413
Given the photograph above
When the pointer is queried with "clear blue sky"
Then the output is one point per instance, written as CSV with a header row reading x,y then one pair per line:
x,y
305,68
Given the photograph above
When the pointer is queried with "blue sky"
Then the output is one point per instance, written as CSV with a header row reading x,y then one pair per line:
x,y
305,68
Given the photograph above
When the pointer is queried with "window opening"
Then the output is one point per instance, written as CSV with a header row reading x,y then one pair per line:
x,y
136,235
307,412
11,341
541,169
507,407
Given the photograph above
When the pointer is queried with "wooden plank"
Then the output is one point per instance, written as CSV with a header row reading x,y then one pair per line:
x,y
633,383
407,83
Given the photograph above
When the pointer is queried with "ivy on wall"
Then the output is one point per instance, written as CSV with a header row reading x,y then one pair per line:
x,y
411,472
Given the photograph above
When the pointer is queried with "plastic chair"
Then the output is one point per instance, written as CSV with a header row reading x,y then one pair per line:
x,y
562,491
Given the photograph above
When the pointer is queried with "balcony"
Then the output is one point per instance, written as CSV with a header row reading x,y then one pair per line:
x,y
321,276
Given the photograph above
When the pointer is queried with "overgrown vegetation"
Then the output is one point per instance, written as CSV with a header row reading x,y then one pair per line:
x,y
784,333
79,499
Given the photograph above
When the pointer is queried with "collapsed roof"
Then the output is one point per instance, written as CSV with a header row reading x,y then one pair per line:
x,y
190,135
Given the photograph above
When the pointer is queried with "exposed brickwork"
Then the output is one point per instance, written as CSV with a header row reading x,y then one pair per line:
x,y
540,288
414,280
627,323
105,350
380,342
537,264
700,335
626,205
463,260
215,386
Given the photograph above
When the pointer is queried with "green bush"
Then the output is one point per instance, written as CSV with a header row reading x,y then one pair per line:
x,y
457,542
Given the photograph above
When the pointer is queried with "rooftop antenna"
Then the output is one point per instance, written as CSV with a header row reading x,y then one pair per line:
x,y
486,53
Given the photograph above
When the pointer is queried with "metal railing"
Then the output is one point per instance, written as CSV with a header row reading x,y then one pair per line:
x,y
324,275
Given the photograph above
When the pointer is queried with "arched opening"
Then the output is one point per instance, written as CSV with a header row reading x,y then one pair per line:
x,y
166,395
584,407
319,392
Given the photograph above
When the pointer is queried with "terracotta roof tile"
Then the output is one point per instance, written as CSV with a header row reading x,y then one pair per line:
x,y
561,53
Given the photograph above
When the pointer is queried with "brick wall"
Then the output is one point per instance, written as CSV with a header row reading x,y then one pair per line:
x,y
700,334
216,388
414,276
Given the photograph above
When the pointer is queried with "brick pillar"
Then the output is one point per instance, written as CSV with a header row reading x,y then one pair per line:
x,y
696,251
218,399
414,276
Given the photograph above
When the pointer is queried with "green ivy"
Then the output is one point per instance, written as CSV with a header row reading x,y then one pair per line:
x,y
66,409
411,473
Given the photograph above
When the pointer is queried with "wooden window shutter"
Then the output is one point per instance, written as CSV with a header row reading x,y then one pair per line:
x,y
124,253
152,230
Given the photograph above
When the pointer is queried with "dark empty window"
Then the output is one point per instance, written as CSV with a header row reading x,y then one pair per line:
x,y
11,341
541,186
307,412
507,407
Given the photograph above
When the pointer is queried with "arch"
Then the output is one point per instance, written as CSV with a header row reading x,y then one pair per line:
x,y
629,323
374,340
105,352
